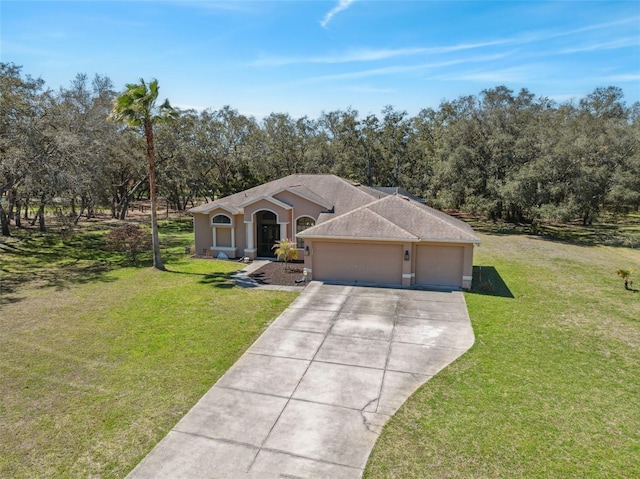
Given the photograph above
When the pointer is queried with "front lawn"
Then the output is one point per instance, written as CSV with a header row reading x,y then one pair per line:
x,y
99,360
551,387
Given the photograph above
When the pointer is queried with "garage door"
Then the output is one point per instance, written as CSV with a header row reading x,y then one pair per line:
x,y
439,265
362,262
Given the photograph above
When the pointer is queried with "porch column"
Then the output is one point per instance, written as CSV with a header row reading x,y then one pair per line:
x,y
283,231
249,235
215,244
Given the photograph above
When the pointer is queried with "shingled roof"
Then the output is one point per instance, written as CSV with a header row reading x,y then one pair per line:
x,y
411,221
356,211
332,190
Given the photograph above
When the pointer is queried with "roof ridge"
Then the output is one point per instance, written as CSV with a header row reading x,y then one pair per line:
x,y
388,220
353,211
367,207
441,216
351,184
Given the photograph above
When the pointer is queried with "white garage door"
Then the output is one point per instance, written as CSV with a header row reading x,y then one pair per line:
x,y
362,262
439,265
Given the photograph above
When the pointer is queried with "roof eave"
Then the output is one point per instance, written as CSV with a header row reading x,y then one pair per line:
x,y
357,238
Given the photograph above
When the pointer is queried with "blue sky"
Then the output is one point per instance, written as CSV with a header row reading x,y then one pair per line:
x,y
305,57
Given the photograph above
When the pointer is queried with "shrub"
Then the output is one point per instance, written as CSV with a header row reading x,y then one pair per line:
x,y
129,239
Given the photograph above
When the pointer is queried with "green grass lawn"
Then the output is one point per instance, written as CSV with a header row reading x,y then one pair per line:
x,y
99,359
551,387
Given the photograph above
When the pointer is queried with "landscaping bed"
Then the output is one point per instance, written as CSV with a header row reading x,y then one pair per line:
x,y
277,273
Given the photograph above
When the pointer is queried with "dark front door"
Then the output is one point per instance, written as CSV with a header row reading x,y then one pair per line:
x,y
268,233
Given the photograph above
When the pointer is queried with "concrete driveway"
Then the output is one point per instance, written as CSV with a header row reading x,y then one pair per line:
x,y
310,396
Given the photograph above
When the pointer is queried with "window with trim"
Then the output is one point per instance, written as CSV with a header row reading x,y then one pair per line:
x,y
301,225
221,220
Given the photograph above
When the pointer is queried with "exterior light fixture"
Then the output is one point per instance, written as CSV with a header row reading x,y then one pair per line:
x,y
306,250
406,255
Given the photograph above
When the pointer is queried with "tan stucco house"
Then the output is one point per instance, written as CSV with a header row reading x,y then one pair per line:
x,y
345,232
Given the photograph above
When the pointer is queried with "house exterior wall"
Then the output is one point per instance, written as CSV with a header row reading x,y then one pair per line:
x,y
202,233
301,206
241,234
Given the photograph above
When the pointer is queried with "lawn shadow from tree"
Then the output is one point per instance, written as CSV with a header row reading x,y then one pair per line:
x,y
219,280
49,262
487,281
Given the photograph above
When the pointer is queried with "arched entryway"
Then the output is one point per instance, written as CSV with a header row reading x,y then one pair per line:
x,y
268,233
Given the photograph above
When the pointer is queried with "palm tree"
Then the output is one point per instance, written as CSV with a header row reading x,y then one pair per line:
x,y
625,274
136,107
286,250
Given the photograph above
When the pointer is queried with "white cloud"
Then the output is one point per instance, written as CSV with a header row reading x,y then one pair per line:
x,y
514,74
621,43
623,77
342,5
394,69
365,55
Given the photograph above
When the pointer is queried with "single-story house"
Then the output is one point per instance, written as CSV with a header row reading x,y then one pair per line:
x,y
346,232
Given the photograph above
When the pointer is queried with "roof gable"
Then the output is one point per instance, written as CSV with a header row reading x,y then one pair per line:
x,y
361,223
325,189
305,193
274,201
409,220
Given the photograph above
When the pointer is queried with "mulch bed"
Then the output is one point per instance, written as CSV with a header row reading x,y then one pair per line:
x,y
275,273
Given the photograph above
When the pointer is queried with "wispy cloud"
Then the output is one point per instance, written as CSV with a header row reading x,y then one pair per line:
x,y
395,69
342,5
624,77
621,43
513,74
366,55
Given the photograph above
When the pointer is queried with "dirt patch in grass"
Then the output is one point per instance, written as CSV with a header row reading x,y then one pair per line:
x,y
279,274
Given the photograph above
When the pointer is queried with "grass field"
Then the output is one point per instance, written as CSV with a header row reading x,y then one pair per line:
x,y
551,387
99,359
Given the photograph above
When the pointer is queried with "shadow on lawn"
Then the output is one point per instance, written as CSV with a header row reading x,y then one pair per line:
x,y
487,281
49,262
218,280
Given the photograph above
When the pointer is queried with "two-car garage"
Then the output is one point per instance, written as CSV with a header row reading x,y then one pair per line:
x,y
391,241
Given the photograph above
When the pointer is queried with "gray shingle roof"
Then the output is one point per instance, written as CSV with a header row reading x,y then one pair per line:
x,y
417,221
341,194
359,211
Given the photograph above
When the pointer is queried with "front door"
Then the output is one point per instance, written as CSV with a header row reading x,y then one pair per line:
x,y
268,233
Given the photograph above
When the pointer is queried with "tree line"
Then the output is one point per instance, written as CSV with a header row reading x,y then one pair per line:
x,y
500,154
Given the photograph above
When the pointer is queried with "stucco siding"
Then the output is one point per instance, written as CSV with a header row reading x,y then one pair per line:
x,y
301,206
202,230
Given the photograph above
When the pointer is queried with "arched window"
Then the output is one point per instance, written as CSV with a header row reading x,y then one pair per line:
x,y
302,224
221,220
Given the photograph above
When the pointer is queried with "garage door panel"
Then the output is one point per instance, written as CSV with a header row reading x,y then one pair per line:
x,y
363,263
439,265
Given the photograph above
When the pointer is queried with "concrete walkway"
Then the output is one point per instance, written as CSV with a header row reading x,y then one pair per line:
x,y
310,396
